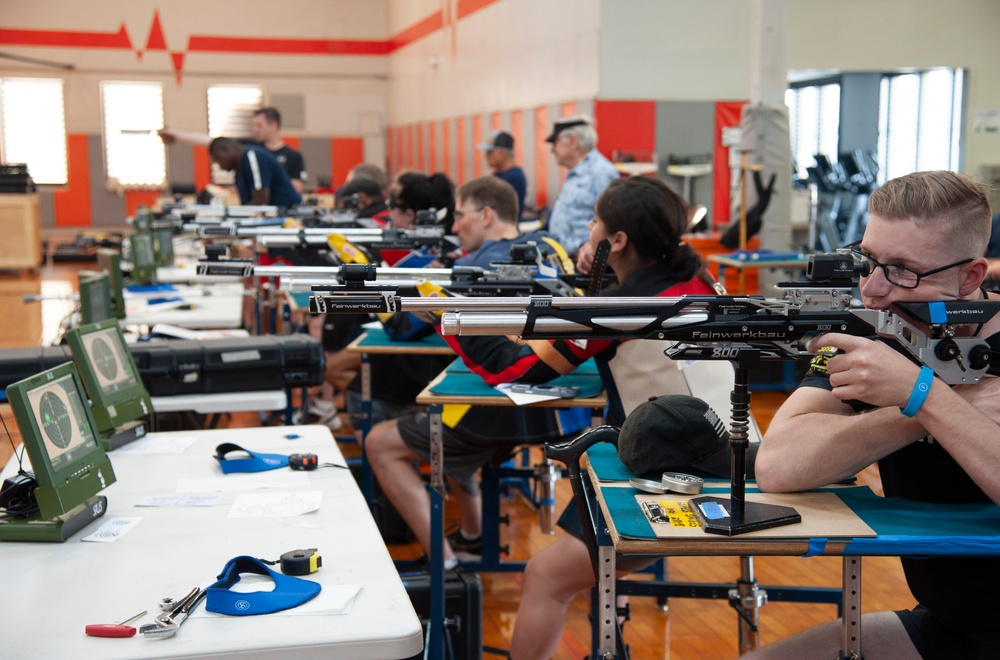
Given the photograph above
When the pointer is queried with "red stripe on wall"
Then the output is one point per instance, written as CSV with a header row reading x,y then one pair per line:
x,y
541,157
137,198
727,113
390,152
71,205
433,145
409,148
477,138
399,150
67,38
427,26
421,151
202,165
466,7
446,149
460,151
345,153
496,122
625,125
292,141
517,131
278,46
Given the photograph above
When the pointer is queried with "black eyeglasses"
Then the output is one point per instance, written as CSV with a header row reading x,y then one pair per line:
x,y
896,274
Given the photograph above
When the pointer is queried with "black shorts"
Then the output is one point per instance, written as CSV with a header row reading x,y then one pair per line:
x,y
934,640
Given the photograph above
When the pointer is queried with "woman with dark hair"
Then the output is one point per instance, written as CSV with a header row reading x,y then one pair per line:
x,y
412,192
643,220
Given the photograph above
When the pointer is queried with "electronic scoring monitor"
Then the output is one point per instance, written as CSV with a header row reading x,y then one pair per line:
x,y
164,247
109,262
95,296
69,464
117,393
143,257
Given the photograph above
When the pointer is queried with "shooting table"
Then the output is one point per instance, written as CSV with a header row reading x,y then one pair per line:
x,y
756,261
53,590
902,527
215,306
458,385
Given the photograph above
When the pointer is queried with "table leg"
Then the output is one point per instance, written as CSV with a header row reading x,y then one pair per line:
x,y
606,590
850,646
367,482
436,620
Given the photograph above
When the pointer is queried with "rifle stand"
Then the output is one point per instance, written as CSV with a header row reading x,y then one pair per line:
x,y
735,515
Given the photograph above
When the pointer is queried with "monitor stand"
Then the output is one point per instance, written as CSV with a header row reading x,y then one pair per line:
x,y
54,530
124,434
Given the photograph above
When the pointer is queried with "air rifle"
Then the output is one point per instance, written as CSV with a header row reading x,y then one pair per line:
x,y
711,327
524,274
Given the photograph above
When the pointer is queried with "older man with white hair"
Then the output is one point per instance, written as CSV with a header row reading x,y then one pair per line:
x,y
574,143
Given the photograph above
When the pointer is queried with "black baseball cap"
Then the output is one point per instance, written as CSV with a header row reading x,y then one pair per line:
x,y
499,140
677,433
562,124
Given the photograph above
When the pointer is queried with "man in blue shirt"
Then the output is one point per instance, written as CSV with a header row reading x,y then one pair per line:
x,y
500,157
574,143
260,178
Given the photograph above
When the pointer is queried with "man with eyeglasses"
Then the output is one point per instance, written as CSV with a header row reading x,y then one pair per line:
x,y
864,401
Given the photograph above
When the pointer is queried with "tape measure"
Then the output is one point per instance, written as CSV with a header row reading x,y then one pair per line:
x,y
301,562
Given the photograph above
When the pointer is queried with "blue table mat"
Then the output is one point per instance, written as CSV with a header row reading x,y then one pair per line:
x,y
904,527
378,337
604,460
466,383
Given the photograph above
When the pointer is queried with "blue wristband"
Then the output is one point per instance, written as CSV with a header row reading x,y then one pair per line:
x,y
920,390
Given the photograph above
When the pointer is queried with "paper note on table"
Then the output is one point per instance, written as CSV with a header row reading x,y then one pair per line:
x,y
112,529
158,444
275,505
523,398
252,481
180,500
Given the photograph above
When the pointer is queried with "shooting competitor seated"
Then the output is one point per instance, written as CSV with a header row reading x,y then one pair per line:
x,y
486,227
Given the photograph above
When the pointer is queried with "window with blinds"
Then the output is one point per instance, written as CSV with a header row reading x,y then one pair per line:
x,y
134,154
34,127
230,114
920,121
813,122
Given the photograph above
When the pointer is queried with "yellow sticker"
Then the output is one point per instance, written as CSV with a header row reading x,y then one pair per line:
x,y
680,515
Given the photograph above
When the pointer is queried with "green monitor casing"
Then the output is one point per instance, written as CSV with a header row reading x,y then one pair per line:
x,y
95,296
109,262
58,433
143,257
164,247
109,374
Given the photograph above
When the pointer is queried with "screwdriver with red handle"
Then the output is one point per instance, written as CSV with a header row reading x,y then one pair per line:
x,y
113,629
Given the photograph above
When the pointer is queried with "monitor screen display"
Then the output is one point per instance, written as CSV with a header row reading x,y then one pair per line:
x,y
61,416
108,371
143,255
95,297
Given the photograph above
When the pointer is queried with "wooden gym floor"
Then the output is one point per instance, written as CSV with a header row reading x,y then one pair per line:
x,y
690,628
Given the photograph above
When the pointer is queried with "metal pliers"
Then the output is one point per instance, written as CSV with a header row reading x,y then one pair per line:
x,y
168,622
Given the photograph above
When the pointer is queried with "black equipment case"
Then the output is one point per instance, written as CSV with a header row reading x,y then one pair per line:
x,y
463,604
167,368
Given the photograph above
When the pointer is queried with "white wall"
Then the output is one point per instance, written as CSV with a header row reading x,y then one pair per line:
x,y
335,89
511,54
697,50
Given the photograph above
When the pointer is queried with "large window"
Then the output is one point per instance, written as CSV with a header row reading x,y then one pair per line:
x,y
230,114
134,154
919,122
34,127
814,122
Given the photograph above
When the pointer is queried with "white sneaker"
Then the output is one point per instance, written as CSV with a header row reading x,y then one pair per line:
x,y
320,412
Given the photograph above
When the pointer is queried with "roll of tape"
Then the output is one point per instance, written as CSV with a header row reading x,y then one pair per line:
x,y
682,483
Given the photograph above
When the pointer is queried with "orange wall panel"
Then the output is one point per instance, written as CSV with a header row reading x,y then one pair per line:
x,y
71,205
202,164
460,151
628,125
345,153
433,146
292,141
541,151
477,138
136,198
727,113
446,149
